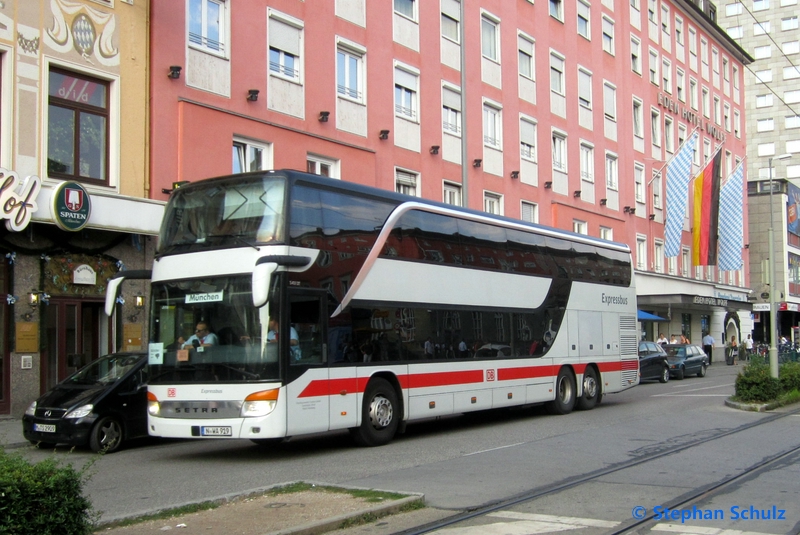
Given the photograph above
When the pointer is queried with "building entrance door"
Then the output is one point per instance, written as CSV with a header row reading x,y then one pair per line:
x,y
76,333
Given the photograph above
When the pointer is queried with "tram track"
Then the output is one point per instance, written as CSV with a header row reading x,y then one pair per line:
x,y
647,455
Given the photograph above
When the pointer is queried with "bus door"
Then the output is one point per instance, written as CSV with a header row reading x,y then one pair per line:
x,y
307,361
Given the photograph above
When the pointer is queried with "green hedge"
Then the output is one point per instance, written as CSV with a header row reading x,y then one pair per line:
x,y
45,498
754,383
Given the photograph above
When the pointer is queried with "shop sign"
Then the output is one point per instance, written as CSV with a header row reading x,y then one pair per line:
x,y
71,206
84,274
17,202
761,307
711,301
690,117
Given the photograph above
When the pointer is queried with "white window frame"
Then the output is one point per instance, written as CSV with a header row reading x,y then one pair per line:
x,y
584,88
608,35
490,44
315,165
402,4
492,124
584,13
610,101
201,41
559,150
406,98
493,203
406,181
281,68
638,182
244,150
557,64
352,55
451,193
451,116
636,55
612,171
638,118
529,211
528,132
526,54
556,9
587,161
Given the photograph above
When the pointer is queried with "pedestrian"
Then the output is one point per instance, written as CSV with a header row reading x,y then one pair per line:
x,y
748,346
708,346
733,351
673,340
662,340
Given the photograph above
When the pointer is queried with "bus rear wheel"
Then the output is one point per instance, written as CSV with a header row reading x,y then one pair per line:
x,y
564,401
379,415
591,390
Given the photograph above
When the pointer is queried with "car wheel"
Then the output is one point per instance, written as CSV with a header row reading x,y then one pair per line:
x,y
565,393
664,375
106,435
702,372
679,374
379,415
591,390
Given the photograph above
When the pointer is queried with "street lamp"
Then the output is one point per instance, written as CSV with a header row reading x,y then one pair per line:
x,y
773,304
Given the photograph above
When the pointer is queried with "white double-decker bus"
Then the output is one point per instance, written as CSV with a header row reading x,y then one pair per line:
x,y
339,306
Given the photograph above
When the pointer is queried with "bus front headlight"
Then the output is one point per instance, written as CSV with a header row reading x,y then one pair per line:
x,y
260,403
153,406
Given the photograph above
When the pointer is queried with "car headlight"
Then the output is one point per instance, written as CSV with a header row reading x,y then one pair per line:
x,y
259,403
31,410
80,412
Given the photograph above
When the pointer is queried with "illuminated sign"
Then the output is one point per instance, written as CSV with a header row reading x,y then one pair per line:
x,y
17,203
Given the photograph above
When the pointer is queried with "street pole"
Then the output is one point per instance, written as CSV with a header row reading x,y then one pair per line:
x,y
773,284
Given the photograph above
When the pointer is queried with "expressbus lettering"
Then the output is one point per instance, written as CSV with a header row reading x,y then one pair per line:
x,y
614,299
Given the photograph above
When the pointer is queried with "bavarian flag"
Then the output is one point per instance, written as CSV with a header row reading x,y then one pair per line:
x,y
705,220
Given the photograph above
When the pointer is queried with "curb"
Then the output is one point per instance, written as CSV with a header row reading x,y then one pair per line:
x,y
330,524
314,528
753,407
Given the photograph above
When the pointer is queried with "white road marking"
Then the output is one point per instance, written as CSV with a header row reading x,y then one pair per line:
x,y
493,449
528,524
697,530
559,519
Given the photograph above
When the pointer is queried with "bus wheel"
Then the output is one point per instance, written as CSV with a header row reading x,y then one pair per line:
x,y
565,393
591,390
379,415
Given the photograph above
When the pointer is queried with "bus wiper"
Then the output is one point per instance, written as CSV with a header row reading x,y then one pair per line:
x,y
237,237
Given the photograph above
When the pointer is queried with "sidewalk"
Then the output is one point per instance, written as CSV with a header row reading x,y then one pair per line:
x,y
257,512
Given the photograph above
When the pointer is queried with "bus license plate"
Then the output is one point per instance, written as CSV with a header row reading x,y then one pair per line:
x,y
214,431
44,428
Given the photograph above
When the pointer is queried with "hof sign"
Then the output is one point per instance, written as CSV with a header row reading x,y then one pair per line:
x,y
71,206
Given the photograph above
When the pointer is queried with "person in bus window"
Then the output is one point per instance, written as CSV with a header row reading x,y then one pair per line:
x,y
202,337
294,339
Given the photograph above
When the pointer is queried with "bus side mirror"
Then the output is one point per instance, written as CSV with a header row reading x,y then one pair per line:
x,y
112,291
262,274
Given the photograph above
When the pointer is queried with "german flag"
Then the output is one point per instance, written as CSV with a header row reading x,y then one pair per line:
x,y
705,220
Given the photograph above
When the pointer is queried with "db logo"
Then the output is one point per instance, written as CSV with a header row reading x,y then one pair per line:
x,y
171,392
490,375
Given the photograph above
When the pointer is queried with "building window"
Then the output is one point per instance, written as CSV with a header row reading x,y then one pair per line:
x,y
606,233
78,127
610,101
406,182
451,193
760,5
726,117
666,75
762,52
587,162
761,28
658,257
717,111
580,227
641,253
636,55
638,118
793,121
249,156
763,77
733,9
559,152
407,8
680,85
556,74
706,102
612,172
405,93
525,57
791,47
737,123
451,22
527,135
638,182
790,73
284,48
735,32
493,203
656,188
764,101
665,21
686,265
529,212
608,35
492,125
490,31
668,135
207,25
679,31
693,93
654,67
319,165
349,73
655,127
451,111
557,9
584,26
584,88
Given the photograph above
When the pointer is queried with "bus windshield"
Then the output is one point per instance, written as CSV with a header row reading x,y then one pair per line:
x,y
245,210
207,330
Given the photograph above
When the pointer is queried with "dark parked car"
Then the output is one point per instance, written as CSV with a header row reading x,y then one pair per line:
x,y
653,362
686,359
103,405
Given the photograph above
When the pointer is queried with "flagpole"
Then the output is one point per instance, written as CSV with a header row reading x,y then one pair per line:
x,y
660,172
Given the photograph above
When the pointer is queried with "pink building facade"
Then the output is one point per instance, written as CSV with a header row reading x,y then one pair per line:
x,y
562,113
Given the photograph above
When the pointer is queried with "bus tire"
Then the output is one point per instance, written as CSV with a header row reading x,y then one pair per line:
x,y
564,401
591,390
379,415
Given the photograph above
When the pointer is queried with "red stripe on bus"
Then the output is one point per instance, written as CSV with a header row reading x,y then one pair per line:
x,y
528,372
619,365
425,380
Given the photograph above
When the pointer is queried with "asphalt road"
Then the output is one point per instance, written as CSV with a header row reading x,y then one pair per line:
x,y
466,462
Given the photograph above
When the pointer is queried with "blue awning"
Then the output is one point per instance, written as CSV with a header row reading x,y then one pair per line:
x,y
646,316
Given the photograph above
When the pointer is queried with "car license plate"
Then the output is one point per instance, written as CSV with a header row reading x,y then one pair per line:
x,y
44,428
214,431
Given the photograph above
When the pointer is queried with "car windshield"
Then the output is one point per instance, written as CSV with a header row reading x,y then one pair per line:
x,y
105,370
677,352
